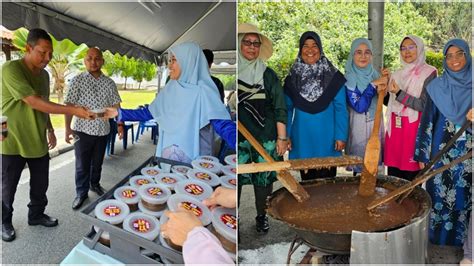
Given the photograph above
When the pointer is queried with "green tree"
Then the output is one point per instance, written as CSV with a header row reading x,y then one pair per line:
x,y
453,19
128,68
67,59
338,23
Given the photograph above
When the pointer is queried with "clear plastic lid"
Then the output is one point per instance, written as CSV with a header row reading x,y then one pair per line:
x,y
229,170
231,159
224,220
154,193
206,165
208,158
229,181
157,214
169,179
127,194
104,235
205,176
111,211
151,171
194,188
138,180
177,201
143,225
180,169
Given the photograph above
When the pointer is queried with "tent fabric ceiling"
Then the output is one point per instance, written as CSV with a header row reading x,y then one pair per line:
x,y
136,29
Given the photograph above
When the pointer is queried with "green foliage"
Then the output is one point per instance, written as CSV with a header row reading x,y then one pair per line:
x,y
19,39
227,81
337,23
453,19
435,59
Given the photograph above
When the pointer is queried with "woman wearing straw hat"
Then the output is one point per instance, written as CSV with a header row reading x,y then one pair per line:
x,y
261,109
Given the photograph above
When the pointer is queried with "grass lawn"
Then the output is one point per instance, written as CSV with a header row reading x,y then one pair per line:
x,y
130,99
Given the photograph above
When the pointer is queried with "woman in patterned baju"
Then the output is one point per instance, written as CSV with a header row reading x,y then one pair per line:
x,y
448,102
261,109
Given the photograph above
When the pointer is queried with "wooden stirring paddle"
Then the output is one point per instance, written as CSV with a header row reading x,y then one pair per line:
x,y
286,179
372,154
420,180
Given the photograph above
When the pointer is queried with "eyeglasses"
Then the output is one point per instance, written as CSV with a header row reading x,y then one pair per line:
x,y
408,48
255,44
456,55
366,53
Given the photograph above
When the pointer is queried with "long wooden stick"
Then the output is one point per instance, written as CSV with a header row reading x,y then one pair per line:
x,y
368,178
416,182
288,181
301,164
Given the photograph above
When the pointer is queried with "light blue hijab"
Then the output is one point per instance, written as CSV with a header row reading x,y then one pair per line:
x,y
186,105
452,91
360,77
356,76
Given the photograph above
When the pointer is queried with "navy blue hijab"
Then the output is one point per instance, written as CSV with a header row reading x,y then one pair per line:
x,y
452,91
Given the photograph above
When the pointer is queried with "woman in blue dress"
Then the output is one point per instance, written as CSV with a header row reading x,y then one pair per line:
x,y
448,102
318,120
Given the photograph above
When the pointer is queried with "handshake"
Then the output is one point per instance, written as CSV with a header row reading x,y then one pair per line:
x,y
85,113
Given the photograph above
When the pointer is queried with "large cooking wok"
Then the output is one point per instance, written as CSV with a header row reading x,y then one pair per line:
x,y
282,206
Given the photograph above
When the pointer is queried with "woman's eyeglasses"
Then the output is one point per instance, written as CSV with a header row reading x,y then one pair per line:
x,y
255,44
456,55
408,48
361,53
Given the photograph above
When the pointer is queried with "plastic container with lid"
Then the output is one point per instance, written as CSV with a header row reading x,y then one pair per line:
x,y
194,188
229,170
154,196
151,171
169,180
156,214
129,195
205,176
186,202
229,181
111,211
180,169
224,223
138,180
208,158
231,159
143,225
213,167
166,242
104,238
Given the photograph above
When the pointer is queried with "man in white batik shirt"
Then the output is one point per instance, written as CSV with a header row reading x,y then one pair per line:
x,y
95,91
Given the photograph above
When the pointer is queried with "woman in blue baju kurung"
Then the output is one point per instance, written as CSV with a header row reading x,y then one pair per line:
x,y
316,103
447,105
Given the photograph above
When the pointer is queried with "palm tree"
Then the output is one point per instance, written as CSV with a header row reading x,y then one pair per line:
x,y
67,59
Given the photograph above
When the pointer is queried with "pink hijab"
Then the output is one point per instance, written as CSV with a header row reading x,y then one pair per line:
x,y
410,78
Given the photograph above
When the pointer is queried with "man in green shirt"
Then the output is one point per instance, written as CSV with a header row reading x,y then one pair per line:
x,y
25,94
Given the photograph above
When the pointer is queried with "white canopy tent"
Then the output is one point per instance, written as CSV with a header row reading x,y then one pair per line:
x,y
137,29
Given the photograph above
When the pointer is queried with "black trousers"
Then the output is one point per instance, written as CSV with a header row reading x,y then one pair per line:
x,y
12,166
261,194
89,151
407,175
318,173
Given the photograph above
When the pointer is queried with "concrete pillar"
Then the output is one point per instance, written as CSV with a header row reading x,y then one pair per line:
x,y
375,30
